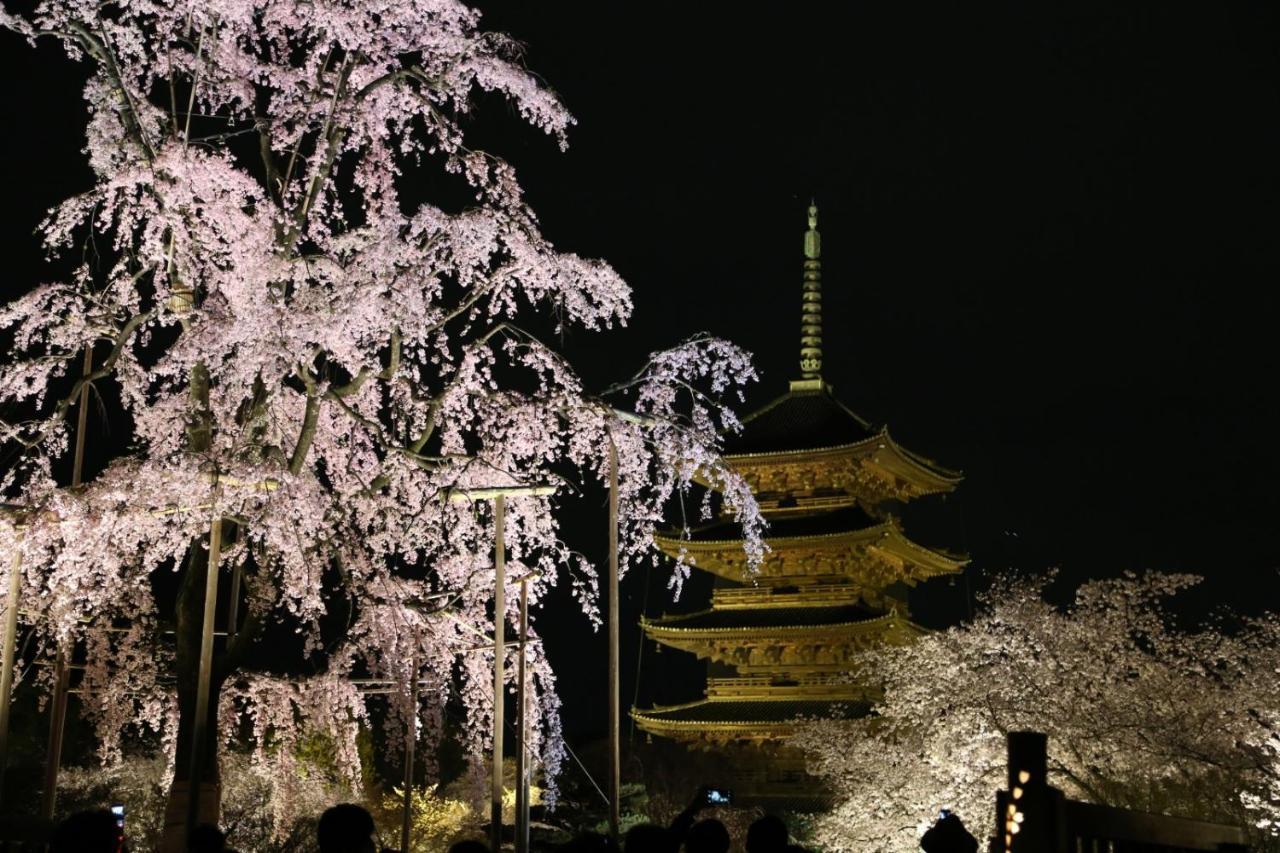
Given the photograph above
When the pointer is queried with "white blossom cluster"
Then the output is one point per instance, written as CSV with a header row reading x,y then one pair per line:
x,y
1141,712
304,351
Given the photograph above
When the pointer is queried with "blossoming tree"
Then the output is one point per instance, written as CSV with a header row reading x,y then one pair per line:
x,y
312,363
1139,714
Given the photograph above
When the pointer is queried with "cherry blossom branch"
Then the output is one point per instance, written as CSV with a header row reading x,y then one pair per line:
x,y
98,49
103,370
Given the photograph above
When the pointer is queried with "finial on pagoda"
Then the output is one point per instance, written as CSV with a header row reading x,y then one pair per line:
x,y
811,307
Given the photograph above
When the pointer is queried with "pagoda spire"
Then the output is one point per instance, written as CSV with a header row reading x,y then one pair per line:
x,y
811,305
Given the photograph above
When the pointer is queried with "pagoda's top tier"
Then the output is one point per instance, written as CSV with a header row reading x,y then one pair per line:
x,y
807,451
801,419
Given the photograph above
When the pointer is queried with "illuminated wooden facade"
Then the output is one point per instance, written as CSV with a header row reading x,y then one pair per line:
x,y
833,584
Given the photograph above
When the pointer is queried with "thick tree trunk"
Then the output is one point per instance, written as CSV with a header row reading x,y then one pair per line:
x,y
178,802
189,623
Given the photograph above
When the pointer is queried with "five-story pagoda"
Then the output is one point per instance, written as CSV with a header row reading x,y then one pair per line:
x,y
779,646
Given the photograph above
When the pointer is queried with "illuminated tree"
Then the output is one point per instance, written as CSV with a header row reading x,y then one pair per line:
x,y
1139,714
317,360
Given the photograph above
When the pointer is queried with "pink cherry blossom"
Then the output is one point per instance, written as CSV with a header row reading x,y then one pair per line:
x,y
305,350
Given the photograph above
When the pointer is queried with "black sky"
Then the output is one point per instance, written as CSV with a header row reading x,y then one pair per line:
x,y
1050,248
1050,253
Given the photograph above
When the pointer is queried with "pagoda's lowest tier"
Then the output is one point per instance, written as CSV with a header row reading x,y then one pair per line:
x,y
755,710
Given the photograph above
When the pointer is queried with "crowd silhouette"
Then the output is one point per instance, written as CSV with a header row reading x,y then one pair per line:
x,y
349,828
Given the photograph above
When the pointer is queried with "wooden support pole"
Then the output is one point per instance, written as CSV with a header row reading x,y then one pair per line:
x,y
522,718
233,609
206,675
61,676
57,727
410,741
499,676
615,774
10,652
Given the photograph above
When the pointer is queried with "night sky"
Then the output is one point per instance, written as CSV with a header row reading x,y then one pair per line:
x,y
1050,253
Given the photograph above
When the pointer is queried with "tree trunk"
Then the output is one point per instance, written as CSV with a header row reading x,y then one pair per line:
x,y
189,623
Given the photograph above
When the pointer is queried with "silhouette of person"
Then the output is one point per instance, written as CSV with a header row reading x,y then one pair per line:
x,y
346,828
85,832
649,838
469,846
587,842
948,835
707,836
767,835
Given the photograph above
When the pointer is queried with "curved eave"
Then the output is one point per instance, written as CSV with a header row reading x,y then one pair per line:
x,y
662,725
933,562
925,475
653,721
669,627
713,733
887,536
931,475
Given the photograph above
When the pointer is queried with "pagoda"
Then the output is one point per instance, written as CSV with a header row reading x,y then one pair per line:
x,y
780,644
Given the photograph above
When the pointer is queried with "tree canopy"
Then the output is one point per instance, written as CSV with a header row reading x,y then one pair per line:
x,y
1140,712
318,360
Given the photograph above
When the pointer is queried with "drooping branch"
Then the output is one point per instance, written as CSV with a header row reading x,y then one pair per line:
x,y
103,370
97,48
331,138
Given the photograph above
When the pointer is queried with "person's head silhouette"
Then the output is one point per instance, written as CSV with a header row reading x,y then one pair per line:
x,y
469,846
707,836
948,835
767,835
85,832
648,838
346,828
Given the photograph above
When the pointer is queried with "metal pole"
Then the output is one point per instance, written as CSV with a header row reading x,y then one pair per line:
x,y
62,676
206,674
410,740
615,776
10,647
522,717
499,649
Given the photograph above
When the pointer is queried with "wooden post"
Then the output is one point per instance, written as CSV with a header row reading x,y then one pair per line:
x,y
410,741
233,609
522,717
57,727
61,675
206,674
499,496
499,676
615,774
10,650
